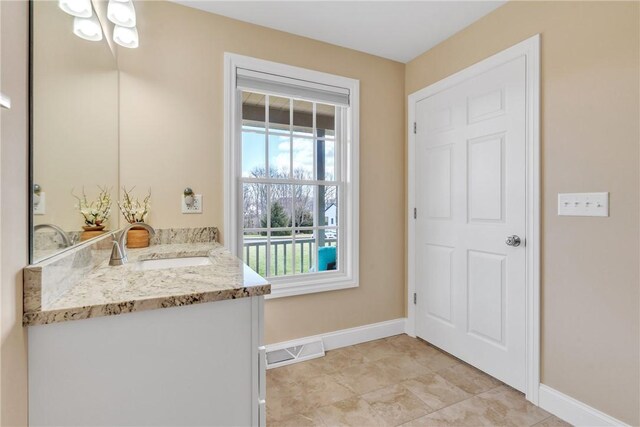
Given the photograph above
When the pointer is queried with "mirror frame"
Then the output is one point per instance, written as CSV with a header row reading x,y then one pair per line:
x,y
30,180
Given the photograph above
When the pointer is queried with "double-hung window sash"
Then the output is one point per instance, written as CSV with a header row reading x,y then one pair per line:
x,y
291,175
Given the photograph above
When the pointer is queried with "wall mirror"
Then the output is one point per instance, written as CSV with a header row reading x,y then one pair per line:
x,y
74,131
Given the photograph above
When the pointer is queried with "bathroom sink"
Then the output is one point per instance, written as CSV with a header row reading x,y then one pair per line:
x,y
160,264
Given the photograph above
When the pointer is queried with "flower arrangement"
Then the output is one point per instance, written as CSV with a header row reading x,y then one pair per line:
x,y
134,210
97,212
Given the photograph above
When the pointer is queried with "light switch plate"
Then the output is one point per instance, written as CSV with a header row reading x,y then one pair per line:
x,y
39,208
196,206
583,204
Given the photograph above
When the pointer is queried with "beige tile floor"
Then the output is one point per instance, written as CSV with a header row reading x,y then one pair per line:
x,y
392,382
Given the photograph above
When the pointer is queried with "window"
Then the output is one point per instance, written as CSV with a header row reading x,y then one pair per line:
x,y
292,185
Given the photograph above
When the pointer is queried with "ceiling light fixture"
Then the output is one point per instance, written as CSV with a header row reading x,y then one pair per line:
x,y
79,8
126,37
122,13
87,28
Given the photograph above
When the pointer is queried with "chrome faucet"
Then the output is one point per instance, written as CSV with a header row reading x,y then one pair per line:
x,y
65,238
119,251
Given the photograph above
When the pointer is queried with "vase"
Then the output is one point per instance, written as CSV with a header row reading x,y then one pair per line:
x,y
91,231
137,237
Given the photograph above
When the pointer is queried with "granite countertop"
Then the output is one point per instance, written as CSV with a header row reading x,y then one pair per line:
x,y
106,290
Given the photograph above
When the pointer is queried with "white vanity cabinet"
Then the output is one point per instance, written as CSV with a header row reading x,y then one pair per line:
x,y
193,365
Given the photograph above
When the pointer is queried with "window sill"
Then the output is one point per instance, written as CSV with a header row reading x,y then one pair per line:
x,y
287,287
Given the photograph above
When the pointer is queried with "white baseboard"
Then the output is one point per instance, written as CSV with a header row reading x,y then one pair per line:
x,y
573,411
351,336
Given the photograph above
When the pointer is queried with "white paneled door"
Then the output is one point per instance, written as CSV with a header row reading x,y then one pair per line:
x,y
470,193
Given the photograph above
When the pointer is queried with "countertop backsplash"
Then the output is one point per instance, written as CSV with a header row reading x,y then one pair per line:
x,y
164,236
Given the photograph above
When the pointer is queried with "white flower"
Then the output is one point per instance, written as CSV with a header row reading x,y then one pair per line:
x,y
97,211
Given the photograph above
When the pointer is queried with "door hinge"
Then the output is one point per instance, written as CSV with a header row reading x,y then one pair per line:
x,y
415,298
415,127
415,213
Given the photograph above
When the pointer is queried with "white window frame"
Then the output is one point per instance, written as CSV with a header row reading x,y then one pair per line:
x,y
282,286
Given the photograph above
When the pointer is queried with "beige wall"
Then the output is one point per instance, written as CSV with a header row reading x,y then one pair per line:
x,y
14,214
75,127
590,142
172,137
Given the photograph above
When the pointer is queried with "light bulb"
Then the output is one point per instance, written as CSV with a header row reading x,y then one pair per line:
x,y
125,37
87,28
122,13
79,8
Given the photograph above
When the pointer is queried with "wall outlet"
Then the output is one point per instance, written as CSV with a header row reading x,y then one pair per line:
x,y
196,206
583,204
39,208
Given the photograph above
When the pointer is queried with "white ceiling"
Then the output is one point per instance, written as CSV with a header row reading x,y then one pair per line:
x,y
398,30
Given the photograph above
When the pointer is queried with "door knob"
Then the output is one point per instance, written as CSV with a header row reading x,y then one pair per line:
x,y
513,241
5,101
